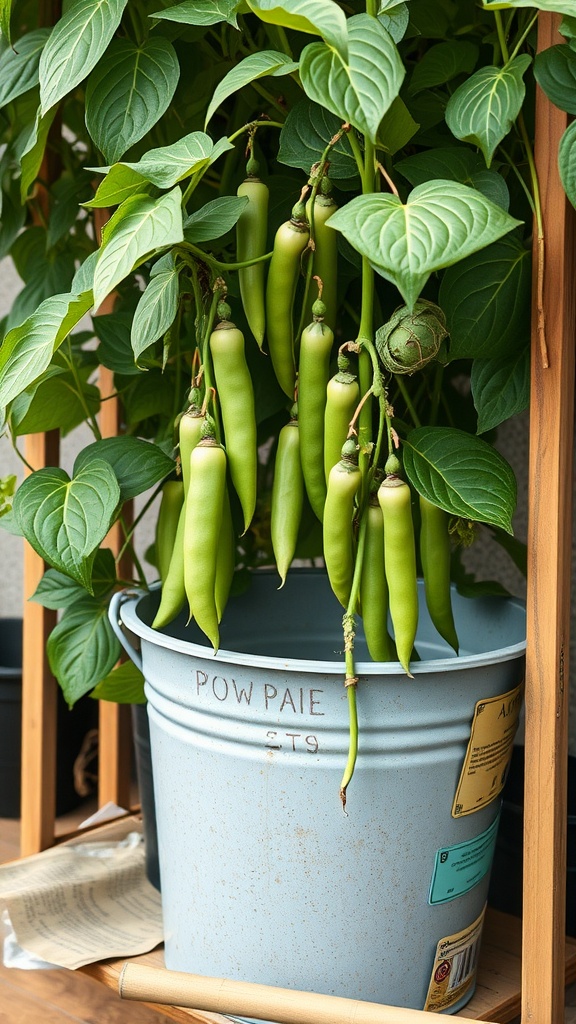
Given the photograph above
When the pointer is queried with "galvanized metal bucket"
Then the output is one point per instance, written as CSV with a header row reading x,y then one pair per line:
x,y
264,877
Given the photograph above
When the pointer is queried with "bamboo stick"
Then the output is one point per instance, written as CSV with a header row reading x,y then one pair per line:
x,y
245,999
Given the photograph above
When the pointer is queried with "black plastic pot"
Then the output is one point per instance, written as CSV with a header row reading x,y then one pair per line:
x,y
72,729
506,880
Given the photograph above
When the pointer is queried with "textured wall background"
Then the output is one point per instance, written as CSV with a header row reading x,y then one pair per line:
x,y
485,557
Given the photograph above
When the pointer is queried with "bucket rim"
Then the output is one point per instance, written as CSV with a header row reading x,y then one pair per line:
x,y
131,598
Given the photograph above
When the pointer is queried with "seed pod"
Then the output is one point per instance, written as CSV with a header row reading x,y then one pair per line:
x,y
409,341
374,588
400,564
167,524
313,373
325,260
251,230
204,510
338,537
289,244
435,558
287,496
342,397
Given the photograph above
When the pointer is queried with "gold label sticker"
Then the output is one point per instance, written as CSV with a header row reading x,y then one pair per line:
x,y
454,970
489,749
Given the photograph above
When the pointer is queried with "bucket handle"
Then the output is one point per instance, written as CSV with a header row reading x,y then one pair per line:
x,y
116,602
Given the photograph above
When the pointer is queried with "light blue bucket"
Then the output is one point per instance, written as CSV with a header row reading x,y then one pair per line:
x,y
264,877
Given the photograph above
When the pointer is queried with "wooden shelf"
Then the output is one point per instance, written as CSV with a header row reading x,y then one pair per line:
x,y
497,996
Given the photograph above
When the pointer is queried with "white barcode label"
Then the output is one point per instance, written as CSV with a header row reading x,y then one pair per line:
x,y
454,971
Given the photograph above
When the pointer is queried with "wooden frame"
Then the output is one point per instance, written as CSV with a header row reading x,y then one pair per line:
x,y
548,607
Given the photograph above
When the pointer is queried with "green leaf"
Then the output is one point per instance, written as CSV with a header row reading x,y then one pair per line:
x,y
257,65
214,219
441,63
65,520
136,464
554,6
76,44
83,280
483,109
361,89
201,12
28,349
128,92
67,194
397,127
500,388
456,163
19,65
140,226
555,72
115,350
568,28
5,12
441,223
119,184
155,311
317,17
567,162
58,591
82,649
124,684
395,17
486,299
33,154
306,133
53,403
461,474
167,165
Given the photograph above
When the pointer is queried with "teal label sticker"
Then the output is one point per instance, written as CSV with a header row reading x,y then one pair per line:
x,y
457,869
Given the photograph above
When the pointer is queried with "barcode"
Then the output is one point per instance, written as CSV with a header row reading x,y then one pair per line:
x,y
464,965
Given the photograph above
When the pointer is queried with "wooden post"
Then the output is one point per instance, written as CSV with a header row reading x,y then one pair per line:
x,y
39,689
549,565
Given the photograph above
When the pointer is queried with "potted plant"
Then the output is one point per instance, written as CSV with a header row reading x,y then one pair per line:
x,y
316,222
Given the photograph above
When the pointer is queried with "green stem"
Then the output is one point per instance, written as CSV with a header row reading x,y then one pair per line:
x,y
406,396
129,547
129,533
351,681
514,168
524,35
218,265
436,392
501,36
267,96
254,124
88,415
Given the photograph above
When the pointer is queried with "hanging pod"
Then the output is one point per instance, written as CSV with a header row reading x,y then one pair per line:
x,y
313,374
435,558
325,260
338,535
287,496
289,244
251,231
374,588
394,498
342,398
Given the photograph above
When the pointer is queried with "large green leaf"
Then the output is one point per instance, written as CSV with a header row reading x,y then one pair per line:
x,y
483,109
28,349
486,299
115,350
33,153
201,12
500,388
441,223
317,17
456,163
59,401
128,92
65,520
441,63
214,219
139,226
555,72
119,184
167,165
156,310
461,474
361,89
554,6
19,65
306,133
397,127
567,162
136,464
75,46
395,17
125,683
82,648
257,65
58,591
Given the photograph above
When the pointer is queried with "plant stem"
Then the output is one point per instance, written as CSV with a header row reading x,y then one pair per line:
x,y
524,35
351,681
406,396
218,265
137,520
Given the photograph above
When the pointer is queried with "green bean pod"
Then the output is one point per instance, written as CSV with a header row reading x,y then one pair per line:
x,y
325,264
313,374
251,230
342,397
203,519
226,558
374,588
287,497
189,434
236,396
289,244
400,564
167,524
173,594
435,558
338,537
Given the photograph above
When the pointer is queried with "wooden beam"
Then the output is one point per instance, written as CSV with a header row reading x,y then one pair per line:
x,y
549,566
39,688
